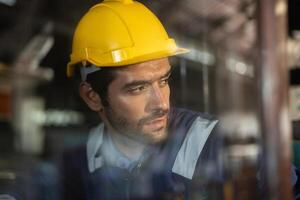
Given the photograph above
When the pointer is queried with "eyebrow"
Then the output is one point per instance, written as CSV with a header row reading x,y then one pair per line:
x,y
144,82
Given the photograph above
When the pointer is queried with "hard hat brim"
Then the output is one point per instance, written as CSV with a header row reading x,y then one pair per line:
x,y
122,61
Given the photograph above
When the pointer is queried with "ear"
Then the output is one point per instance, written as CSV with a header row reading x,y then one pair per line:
x,y
91,98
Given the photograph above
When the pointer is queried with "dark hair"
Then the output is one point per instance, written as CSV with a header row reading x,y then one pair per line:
x,y
100,80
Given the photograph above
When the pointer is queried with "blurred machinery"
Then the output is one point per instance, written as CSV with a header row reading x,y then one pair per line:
x,y
26,75
20,105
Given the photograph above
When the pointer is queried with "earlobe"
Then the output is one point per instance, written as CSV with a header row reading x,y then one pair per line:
x,y
91,98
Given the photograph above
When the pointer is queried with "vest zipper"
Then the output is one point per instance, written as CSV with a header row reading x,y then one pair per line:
x,y
130,179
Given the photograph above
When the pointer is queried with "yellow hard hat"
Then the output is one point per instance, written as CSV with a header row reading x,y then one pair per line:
x,y
120,32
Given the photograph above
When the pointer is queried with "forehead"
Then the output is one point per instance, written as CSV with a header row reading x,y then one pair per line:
x,y
149,70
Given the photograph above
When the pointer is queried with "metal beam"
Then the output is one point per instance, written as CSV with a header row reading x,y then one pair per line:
x,y
273,83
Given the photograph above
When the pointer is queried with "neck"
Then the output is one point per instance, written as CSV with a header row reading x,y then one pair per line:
x,y
128,146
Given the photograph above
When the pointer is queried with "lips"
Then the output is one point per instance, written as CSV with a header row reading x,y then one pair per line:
x,y
156,124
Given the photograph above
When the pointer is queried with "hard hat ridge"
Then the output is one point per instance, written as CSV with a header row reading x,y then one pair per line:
x,y
122,1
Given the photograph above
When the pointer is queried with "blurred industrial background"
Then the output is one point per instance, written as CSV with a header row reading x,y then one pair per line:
x,y
41,114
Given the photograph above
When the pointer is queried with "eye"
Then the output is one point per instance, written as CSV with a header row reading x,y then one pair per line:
x,y
164,81
137,89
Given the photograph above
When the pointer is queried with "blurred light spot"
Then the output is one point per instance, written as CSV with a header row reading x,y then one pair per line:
x,y
7,175
58,117
201,56
8,2
246,151
240,125
238,66
280,8
39,117
63,117
241,68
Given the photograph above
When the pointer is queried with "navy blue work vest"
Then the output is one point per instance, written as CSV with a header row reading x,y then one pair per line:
x,y
166,173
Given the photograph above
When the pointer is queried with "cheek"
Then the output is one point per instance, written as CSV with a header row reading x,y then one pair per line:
x,y
132,107
165,92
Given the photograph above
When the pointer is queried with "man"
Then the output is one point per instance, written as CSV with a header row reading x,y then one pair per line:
x,y
143,149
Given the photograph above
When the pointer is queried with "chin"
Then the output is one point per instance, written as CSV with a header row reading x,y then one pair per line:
x,y
157,137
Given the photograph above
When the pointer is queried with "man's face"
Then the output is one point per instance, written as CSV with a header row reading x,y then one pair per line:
x,y
138,100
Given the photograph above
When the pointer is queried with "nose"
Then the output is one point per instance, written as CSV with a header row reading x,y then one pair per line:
x,y
158,98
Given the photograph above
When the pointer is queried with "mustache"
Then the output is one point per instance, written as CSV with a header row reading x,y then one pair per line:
x,y
154,115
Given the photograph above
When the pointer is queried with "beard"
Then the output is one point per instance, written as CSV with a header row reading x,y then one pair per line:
x,y
135,130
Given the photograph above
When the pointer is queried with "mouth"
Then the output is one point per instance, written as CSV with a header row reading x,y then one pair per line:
x,y
156,124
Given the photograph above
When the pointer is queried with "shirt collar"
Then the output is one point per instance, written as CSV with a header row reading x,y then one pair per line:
x,y
95,140
101,150
113,157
